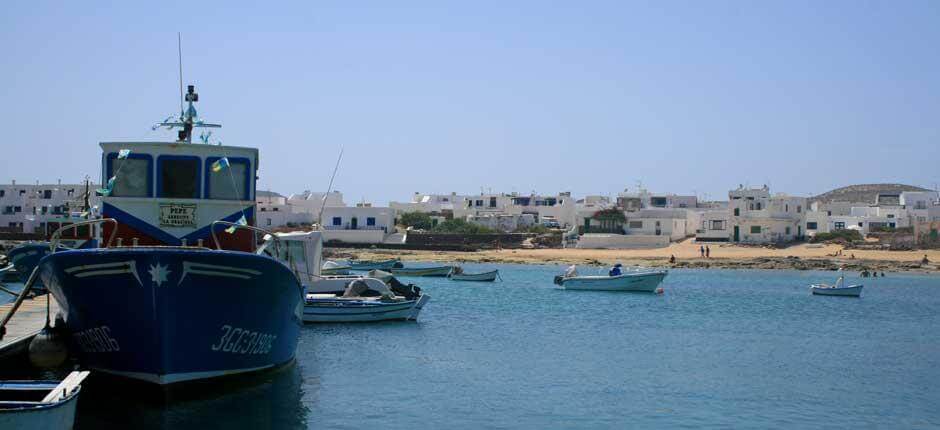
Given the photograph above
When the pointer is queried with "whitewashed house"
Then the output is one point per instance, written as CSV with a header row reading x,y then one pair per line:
x,y
362,223
433,204
917,204
714,226
759,218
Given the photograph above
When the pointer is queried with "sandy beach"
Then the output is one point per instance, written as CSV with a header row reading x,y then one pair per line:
x,y
800,257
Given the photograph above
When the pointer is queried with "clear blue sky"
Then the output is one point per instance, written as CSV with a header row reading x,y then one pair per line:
x,y
511,96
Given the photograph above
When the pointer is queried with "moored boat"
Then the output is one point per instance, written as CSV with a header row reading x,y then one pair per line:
x,y
366,265
334,268
837,289
638,281
439,271
155,303
459,275
40,404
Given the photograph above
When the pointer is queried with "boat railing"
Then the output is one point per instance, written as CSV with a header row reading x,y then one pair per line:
x,y
267,234
57,235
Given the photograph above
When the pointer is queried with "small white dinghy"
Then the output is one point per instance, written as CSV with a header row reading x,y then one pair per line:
x,y
332,268
638,281
839,289
40,404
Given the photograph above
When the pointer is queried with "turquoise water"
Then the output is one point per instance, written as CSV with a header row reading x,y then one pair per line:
x,y
720,348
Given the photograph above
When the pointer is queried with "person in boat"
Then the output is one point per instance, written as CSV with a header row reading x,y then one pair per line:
x,y
615,271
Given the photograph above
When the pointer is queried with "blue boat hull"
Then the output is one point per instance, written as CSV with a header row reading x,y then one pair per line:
x,y
168,315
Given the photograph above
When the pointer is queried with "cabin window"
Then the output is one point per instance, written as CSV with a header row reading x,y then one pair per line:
x,y
229,183
133,175
755,229
178,177
370,221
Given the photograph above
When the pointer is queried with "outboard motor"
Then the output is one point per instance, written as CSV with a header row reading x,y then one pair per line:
x,y
559,279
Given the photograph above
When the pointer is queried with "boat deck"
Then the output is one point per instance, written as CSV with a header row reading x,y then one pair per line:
x,y
26,323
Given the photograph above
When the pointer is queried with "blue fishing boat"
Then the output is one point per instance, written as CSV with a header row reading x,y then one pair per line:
x,y
177,291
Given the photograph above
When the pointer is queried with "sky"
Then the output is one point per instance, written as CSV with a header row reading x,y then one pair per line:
x,y
436,97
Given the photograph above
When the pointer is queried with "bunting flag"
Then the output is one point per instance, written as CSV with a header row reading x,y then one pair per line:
x,y
220,164
122,154
241,221
106,191
204,137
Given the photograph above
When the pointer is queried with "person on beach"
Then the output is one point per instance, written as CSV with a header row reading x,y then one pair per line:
x,y
672,259
708,252
925,260
615,271
701,250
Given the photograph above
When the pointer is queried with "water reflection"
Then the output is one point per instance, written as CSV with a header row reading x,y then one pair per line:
x,y
270,400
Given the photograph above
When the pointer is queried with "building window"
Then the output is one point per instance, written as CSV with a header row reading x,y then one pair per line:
x,y
269,221
46,194
274,209
17,209
786,208
786,230
839,225
891,224
3,193
492,202
920,205
737,212
8,210
178,177
370,221
718,224
829,213
264,209
860,225
890,215
479,203
337,220
635,224
811,226
755,229
799,208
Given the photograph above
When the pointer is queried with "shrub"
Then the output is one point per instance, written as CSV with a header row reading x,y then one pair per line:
x,y
459,226
843,235
417,220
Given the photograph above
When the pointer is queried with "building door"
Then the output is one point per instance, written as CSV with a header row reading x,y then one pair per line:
x,y
354,223
799,232
659,230
737,233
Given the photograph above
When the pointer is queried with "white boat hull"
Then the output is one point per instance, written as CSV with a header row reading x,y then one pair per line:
x,y
645,282
423,271
338,310
476,277
825,290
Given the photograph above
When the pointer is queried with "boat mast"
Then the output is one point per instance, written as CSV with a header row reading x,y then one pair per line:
x,y
188,117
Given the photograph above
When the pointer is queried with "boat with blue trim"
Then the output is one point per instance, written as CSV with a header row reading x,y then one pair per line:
x,y
178,291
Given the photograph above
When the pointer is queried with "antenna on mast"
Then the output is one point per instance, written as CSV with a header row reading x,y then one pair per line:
x,y
179,49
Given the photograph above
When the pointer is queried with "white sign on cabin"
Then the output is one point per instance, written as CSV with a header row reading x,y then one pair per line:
x,y
177,215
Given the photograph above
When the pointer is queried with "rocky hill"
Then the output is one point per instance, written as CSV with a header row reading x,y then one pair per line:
x,y
863,192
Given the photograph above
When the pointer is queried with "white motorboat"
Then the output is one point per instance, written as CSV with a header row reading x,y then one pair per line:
x,y
40,404
838,289
459,275
377,296
637,281
334,268
365,300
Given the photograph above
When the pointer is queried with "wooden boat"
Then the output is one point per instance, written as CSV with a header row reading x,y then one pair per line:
x,y
476,277
646,282
40,404
829,290
424,271
366,300
838,289
366,265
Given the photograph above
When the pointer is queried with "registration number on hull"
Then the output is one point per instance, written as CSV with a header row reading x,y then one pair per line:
x,y
236,340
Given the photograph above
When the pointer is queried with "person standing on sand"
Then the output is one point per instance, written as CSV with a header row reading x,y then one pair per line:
x,y
701,250
708,252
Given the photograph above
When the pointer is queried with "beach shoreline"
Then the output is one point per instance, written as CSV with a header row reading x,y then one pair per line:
x,y
687,254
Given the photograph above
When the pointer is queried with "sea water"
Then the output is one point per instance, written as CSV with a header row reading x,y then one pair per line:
x,y
719,349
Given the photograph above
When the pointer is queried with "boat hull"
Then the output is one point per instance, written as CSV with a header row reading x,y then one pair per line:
x,y
441,271
850,291
645,282
344,310
168,315
56,415
476,277
373,265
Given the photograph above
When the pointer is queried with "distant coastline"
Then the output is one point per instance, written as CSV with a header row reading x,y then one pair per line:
x,y
723,256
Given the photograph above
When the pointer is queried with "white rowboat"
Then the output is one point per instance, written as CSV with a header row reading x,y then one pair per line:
x,y
829,290
40,404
